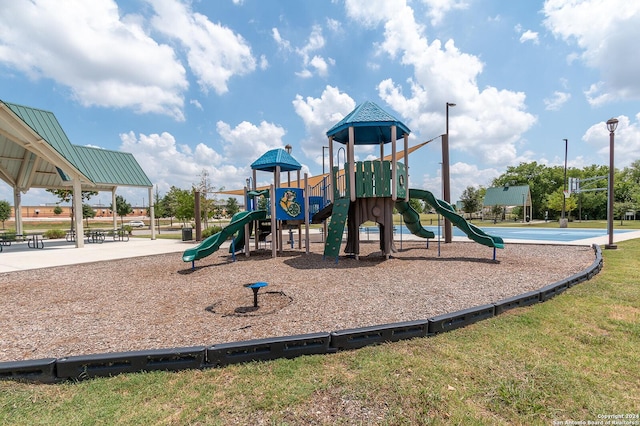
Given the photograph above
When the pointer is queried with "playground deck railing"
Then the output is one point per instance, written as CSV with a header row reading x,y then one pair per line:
x,y
372,179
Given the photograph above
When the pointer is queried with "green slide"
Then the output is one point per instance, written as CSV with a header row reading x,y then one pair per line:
x,y
412,219
213,243
445,209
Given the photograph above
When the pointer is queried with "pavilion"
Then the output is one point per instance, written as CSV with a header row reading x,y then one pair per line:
x,y
36,153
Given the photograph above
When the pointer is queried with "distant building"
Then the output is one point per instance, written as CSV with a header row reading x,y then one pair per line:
x,y
508,197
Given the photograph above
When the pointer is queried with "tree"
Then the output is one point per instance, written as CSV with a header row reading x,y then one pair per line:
x,y
555,202
5,211
620,209
57,210
471,200
417,205
88,212
232,206
122,208
207,205
66,195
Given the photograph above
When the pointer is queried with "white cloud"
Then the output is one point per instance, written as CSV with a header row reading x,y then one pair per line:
x,y
319,115
281,42
626,141
487,123
105,59
529,35
462,175
310,62
170,163
602,31
556,101
244,143
439,8
165,161
215,53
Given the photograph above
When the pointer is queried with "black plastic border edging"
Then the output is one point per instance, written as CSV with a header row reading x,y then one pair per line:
x,y
32,370
52,370
267,349
104,365
355,338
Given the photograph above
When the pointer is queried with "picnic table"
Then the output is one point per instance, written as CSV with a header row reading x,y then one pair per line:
x,y
95,235
33,239
120,235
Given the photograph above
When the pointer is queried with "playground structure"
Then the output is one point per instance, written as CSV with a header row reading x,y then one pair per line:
x,y
350,195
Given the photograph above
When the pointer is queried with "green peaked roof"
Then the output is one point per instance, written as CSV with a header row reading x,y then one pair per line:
x,y
103,168
47,126
507,196
372,126
112,167
276,157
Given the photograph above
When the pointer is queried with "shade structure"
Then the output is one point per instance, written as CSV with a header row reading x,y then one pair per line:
x,y
372,126
276,157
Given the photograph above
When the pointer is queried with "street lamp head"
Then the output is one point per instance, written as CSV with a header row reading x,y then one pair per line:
x,y
612,124
450,104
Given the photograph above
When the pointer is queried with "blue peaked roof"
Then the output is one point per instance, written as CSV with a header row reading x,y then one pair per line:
x,y
276,157
372,126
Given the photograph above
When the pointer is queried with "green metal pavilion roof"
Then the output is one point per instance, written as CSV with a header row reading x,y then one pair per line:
x,y
47,126
112,167
104,169
372,126
507,196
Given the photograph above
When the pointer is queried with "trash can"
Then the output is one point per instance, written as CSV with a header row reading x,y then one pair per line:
x,y
187,234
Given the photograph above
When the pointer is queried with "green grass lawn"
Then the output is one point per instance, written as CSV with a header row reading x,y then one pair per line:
x,y
574,357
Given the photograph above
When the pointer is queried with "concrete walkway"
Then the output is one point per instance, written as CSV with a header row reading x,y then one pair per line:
x,y
18,257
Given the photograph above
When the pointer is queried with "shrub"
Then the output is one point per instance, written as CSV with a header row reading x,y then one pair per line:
x,y
211,230
53,234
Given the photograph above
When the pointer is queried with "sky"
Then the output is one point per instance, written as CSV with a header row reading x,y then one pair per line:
x,y
193,86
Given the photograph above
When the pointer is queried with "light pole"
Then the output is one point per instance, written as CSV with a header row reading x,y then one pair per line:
x,y
612,123
563,220
323,148
288,148
446,191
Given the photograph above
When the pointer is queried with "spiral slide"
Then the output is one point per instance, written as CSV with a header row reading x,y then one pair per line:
x,y
211,244
445,209
412,220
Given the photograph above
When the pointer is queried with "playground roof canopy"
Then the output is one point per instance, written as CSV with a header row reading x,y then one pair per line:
x,y
507,196
372,126
276,157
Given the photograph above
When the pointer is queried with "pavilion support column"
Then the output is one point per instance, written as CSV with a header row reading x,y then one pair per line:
x,y
17,210
114,209
152,214
77,212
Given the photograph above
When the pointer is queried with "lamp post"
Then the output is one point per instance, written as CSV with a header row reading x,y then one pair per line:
x,y
446,191
288,148
612,123
563,220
